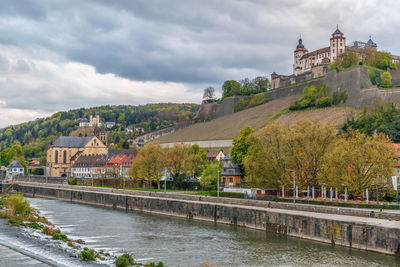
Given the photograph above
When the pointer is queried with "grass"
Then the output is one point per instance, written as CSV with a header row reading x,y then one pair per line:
x,y
227,127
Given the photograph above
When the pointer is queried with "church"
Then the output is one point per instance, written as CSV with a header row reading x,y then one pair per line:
x,y
308,65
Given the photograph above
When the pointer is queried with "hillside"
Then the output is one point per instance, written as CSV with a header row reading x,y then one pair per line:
x,y
34,137
228,126
335,115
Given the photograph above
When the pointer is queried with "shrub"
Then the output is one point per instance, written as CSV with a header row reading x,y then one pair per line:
x,y
16,222
160,264
72,181
324,102
34,225
252,101
87,255
375,77
18,206
124,260
386,79
58,236
72,244
49,231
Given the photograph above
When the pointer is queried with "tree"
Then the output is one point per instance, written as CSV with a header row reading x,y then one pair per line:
x,y
386,79
150,163
265,160
240,146
358,161
307,142
344,61
209,94
194,160
175,159
247,87
209,175
261,84
381,60
230,88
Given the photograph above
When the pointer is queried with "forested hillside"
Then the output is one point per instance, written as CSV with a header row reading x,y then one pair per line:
x,y
31,139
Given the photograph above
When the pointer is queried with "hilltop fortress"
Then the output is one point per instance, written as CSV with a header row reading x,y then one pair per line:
x,y
309,65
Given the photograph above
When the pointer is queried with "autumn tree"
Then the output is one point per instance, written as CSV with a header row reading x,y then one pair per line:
x,y
358,161
150,163
194,160
266,157
307,142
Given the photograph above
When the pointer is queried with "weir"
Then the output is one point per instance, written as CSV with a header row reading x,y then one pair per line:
x,y
357,231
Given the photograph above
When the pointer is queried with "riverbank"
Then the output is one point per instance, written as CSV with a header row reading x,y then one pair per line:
x,y
366,233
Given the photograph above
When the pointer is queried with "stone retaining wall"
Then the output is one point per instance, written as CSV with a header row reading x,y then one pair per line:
x,y
358,232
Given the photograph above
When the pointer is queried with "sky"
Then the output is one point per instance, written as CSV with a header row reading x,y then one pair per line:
x,y
65,54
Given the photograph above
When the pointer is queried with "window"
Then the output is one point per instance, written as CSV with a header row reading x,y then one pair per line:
x,y
65,156
56,156
224,180
230,179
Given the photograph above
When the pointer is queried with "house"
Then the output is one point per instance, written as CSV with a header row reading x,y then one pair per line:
x,y
65,150
396,164
126,164
84,122
15,168
215,155
231,175
114,165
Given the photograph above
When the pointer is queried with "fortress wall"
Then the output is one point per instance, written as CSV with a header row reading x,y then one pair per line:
x,y
292,90
395,77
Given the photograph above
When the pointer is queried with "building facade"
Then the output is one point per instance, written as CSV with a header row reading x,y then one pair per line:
x,y
309,65
15,168
231,175
67,149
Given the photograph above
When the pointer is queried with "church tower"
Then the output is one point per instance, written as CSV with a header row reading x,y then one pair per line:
x,y
337,44
298,66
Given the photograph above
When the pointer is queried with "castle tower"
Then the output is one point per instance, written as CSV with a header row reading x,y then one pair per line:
x,y
337,44
298,67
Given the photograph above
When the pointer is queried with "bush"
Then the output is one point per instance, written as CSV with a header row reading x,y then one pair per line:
x,y
87,255
16,222
61,237
386,79
324,102
124,260
18,206
49,231
34,225
375,77
252,101
72,181
160,264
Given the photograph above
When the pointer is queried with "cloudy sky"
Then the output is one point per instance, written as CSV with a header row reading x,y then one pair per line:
x,y
64,54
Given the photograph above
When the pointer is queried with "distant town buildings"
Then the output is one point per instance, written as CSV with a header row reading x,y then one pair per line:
x,y
15,168
94,121
215,155
67,149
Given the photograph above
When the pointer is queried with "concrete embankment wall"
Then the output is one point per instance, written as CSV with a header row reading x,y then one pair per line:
x,y
359,232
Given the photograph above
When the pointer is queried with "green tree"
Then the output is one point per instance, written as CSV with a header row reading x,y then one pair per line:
x,y
381,60
230,88
386,79
209,175
240,146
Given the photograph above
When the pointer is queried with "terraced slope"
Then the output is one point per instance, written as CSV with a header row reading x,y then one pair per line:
x,y
335,115
227,127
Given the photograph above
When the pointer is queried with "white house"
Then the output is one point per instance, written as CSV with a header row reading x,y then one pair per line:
x,y
15,168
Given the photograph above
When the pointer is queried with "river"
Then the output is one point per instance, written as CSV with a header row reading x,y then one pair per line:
x,y
184,242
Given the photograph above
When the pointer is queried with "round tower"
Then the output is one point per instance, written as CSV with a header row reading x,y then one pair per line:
x,y
298,67
337,44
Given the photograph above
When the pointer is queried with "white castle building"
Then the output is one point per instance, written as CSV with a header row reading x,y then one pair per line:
x,y
308,65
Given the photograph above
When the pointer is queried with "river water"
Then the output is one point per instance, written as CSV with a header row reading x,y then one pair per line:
x,y
184,242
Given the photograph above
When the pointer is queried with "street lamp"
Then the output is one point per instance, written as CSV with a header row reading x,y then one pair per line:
x,y
294,183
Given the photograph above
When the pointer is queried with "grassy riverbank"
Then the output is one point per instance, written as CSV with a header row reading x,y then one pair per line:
x,y
20,214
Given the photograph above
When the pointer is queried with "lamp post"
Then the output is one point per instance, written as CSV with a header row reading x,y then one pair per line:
x,y
294,183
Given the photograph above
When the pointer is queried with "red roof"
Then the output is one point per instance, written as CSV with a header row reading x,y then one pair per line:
x,y
128,160
213,153
116,160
